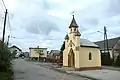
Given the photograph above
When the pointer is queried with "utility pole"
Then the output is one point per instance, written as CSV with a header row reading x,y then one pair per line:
x,y
105,40
3,37
8,40
106,48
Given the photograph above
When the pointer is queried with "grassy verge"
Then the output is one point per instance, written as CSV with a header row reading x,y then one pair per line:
x,y
6,76
6,57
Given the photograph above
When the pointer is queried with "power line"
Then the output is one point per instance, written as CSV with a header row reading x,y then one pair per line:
x,y
2,7
9,24
4,4
3,37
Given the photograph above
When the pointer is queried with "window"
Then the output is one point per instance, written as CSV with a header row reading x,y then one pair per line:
x,y
71,30
70,43
74,29
90,56
77,48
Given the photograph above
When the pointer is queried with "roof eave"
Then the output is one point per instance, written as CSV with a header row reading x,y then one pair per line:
x,y
89,46
73,26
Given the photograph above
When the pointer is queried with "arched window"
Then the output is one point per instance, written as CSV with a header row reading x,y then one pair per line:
x,y
70,43
90,56
71,30
74,29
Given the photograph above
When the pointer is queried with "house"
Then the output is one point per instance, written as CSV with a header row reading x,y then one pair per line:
x,y
116,51
36,53
54,55
26,54
113,46
78,53
16,50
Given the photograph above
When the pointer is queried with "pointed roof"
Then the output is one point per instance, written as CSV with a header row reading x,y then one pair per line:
x,y
77,33
73,23
66,37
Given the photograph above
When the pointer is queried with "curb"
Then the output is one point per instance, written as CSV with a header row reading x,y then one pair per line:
x,y
63,71
84,76
75,74
110,69
50,67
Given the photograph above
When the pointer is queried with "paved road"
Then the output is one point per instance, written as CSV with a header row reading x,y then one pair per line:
x,y
30,71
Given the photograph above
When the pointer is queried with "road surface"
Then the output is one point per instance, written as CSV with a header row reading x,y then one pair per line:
x,y
25,70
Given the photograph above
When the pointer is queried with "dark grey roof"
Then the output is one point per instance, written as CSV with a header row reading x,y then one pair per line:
x,y
73,23
111,43
55,52
37,48
117,46
87,43
16,47
83,43
66,37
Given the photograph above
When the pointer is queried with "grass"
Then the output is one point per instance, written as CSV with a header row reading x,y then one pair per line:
x,y
5,76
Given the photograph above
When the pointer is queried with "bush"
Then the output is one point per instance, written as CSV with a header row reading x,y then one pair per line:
x,y
118,61
5,76
36,58
5,58
5,61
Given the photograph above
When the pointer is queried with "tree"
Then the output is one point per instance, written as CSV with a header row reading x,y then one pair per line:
x,y
39,52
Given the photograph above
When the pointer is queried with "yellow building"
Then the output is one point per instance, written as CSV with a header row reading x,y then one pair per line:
x,y
80,54
38,52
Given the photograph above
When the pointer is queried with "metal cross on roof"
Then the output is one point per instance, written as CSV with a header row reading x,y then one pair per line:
x,y
73,12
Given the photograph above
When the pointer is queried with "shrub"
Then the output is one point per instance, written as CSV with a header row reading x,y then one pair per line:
x,y
5,62
118,61
5,58
105,59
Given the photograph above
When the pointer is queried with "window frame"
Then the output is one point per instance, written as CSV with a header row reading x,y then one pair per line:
x,y
90,56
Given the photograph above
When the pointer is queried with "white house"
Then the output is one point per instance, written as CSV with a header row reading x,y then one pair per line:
x,y
15,49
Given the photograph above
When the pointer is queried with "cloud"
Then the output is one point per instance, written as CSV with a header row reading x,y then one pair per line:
x,y
35,16
94,17
42,27
46,22
113,8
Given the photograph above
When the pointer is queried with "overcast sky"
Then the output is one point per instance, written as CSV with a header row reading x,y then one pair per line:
x,y
44,23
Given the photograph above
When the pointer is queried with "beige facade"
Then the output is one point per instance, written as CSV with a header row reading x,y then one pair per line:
x,y
80,53
34,52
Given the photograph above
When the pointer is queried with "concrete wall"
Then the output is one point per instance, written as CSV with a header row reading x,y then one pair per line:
x,y
110,53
